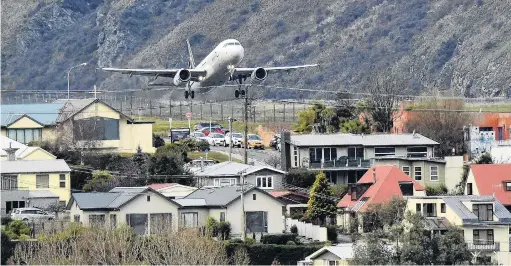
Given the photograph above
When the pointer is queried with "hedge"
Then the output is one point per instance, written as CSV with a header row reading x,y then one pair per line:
x,y
265,254
278,239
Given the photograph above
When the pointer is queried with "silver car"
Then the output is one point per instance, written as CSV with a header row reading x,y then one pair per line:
x,y
31,214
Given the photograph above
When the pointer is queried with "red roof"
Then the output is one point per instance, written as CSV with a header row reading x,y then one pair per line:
x,y
284,193
489,176
388,178
160,186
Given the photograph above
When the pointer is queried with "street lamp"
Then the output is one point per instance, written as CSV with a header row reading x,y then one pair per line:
x,y
82,64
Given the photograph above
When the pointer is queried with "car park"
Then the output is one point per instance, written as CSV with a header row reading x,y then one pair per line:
x,y
200,126
31,214
177,134
199,136
254,142
237,139
216,139
208,130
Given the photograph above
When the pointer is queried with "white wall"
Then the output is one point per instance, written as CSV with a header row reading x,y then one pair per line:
x,y
453,171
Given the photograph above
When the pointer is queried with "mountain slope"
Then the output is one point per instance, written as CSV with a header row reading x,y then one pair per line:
x,y
460,46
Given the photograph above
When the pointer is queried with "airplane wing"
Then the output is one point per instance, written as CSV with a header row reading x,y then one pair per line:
x,y
170,73
248,70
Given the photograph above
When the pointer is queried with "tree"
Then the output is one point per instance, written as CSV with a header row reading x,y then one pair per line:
x,y
272,160
300,177
373,251
158,141
436,190
452,248
441,122
318,118
98,181
355,127
140,162
485,159
321,203
17,230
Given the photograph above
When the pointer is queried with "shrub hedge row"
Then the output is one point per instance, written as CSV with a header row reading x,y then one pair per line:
x,y
278,239
265,254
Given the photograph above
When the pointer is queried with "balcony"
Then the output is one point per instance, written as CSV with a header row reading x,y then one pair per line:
x,y
483,245
341,163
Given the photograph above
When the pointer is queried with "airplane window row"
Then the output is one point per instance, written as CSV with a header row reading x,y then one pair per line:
x,y
231,43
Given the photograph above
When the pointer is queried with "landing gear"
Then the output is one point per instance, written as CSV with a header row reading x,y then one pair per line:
x,y
189,94
240,91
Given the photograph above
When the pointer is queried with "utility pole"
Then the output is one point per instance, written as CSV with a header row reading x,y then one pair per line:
x,y
245,155
243,221
230,138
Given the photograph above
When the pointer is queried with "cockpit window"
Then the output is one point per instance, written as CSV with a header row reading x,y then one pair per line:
x,y
231,44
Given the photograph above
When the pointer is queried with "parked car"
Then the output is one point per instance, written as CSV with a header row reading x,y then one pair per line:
x,y
237,139
195,166
31,214
216,139
177,134
254,142
275,142
202,125
199,136
206,130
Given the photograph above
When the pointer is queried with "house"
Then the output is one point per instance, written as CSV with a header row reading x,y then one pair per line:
x,y
490,180
87,123
22,151
428,171
296,203
340,254
229,173
263,213
144,209
484,220
344,158
173,190
378,185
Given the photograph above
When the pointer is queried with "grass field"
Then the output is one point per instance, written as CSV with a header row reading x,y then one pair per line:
x,y
212,155
489,108
161,127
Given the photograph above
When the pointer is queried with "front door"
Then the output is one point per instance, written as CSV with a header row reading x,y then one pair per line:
x,y
256,222
500,133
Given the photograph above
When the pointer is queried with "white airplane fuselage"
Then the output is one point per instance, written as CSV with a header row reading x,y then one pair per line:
x,y
218,64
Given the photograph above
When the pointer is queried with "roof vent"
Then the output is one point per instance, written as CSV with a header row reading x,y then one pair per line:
x,y
11,152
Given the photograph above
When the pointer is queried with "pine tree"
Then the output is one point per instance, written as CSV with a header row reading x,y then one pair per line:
x,y
321,203
140,161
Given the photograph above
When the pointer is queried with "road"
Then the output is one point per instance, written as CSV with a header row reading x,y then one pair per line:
x,y
257,156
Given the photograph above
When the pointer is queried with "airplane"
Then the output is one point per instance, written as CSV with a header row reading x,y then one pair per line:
x,y
215,69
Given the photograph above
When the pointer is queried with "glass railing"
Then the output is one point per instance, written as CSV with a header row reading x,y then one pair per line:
x,y
483,245
341,163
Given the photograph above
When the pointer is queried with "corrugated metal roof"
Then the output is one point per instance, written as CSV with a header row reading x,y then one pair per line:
x,y
95,200
43,113
41,194
233,169
467,216
218,196
34,166
359,139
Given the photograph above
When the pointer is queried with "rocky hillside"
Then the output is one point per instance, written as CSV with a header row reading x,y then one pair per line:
x,y
460,46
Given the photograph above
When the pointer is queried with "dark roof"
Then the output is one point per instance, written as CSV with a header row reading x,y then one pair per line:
x,y
229,168
74,106
468,217
221,196
361,139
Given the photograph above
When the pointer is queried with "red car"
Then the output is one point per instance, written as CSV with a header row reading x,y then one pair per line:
x,y
214,129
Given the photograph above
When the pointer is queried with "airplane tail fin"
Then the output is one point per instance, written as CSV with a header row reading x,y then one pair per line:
x,y
191,61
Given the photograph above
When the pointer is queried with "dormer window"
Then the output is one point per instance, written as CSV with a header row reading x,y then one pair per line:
x,y
484,212
507,186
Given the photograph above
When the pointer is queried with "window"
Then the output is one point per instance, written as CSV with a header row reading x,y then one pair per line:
x,y
9,182
332,263
406,188
256,221
137,221
295,154
434,173
330,154
221,182
483,236
62,180
160,222
356,153
417,152
96,128
429,210
484,212
97,220
113,220
417,172
42,181
148,198
25,135
222,217
384,151
442,207
353,192
189,219
418,208
254,196
76,218
9,205
331,176
406,170
485,129
469,188
315,155
508,186
265,182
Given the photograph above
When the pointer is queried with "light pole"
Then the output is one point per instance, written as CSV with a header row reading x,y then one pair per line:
x,y
68,73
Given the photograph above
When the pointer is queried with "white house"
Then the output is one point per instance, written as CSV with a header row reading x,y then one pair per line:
x,y
341,254
263,212
142,208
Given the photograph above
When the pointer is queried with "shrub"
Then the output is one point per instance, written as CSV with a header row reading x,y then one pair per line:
x,y
236,241
250,241
7,248
224,230
290,243
436,190
266,254
331,232
279,239
212,226
158,141
294,229
16,229
300,177
6,220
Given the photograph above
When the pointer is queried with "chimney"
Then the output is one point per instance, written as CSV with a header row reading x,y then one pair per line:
x,y
11,156
374,175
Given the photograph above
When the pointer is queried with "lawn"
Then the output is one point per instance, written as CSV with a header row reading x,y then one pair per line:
x,y
212,155
161,126
489,107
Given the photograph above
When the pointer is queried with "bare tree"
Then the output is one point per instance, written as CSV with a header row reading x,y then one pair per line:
x,y
273,160
442,121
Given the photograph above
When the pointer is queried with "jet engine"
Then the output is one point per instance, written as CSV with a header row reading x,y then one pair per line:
x,y
182,76
259,74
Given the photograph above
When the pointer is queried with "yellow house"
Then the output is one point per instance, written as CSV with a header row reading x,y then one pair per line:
x,y
340,254
486,223
80,123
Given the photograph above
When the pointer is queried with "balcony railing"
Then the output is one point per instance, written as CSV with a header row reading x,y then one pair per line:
x,y
483,245
341,163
